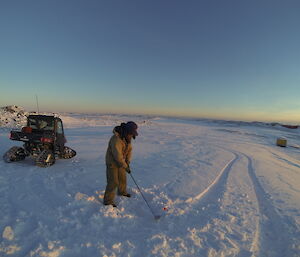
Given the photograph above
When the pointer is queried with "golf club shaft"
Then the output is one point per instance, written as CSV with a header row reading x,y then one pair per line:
x,y
143,196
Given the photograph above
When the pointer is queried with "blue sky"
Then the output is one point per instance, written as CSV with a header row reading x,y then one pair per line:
x,y
216,59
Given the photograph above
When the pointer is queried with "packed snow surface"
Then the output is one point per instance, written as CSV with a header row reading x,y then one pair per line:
x,y
220,189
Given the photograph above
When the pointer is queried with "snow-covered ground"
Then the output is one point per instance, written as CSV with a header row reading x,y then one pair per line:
x,y
222,188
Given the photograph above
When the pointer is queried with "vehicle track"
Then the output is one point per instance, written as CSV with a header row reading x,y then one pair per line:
x,y
276,237
220,225
218,231
269,237
217,187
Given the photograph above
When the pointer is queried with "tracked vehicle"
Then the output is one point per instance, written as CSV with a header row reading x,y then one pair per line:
x,y
44,141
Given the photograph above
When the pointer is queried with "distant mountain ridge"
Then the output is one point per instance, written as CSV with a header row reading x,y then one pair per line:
x,y
14,116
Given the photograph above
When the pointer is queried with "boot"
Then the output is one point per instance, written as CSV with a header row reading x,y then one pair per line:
x,y
112,204
127,195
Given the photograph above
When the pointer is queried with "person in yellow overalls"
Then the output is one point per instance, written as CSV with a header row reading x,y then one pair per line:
x,y
118,156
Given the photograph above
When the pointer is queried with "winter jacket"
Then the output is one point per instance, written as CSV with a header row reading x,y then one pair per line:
x,y
118,153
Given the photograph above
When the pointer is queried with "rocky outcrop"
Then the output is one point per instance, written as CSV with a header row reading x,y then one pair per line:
x,y
12,116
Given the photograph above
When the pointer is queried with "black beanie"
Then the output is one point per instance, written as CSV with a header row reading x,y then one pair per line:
x,y
131,128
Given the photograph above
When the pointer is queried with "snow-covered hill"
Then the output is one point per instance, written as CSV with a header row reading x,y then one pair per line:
x,y
221,189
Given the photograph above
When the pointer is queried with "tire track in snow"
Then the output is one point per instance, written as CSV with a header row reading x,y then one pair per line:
x,y
215,232
220,225
211,194
217,187
289,162
239,247
209,236
256,240
274,237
